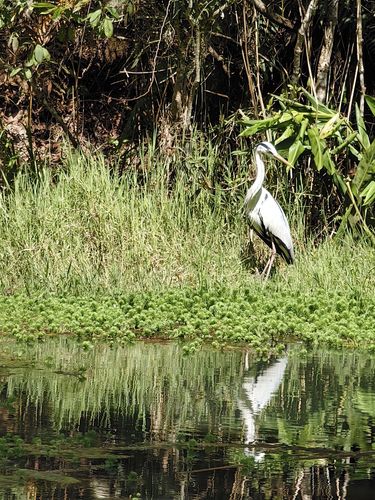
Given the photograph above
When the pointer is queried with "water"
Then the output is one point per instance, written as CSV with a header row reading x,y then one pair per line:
x,y
145,421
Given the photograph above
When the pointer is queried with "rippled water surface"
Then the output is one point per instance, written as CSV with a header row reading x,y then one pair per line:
x,y
146,421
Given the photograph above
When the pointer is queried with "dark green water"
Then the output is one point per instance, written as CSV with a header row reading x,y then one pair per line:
x,y
145,421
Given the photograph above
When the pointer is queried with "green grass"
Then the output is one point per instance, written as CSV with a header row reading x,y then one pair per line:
x,y
162,251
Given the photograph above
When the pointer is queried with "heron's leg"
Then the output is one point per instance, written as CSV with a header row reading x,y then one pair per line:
x,y
270,262
264,272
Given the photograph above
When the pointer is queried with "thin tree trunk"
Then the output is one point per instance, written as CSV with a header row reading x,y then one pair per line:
x,y
302,32
326,52
361,69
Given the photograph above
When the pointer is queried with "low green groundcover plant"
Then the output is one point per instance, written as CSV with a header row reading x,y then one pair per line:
x,y
264,318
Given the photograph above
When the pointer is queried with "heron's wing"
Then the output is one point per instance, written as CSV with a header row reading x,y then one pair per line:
x,y
269,222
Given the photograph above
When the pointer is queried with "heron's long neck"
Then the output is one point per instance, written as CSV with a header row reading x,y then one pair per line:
x,y
258,183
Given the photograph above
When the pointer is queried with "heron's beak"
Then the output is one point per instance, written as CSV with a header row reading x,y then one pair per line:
x,y
283,160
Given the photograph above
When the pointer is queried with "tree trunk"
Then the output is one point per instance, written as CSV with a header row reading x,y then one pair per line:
x,y
301,36
186,84
326,52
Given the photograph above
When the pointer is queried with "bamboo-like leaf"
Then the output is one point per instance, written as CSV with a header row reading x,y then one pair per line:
x,y
370,103
363,136
346,143
369,193
317,104
295,151
258,126
302,130
317,147
288,132
366,167
328,162
331,126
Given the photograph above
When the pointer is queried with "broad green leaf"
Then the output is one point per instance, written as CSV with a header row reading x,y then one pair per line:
x,y
288,132
302,130
94,18
331,126
108,27
317,104
328,162
369,193
365,168
28,74
114,13
295,151
47,55
317,147
38,53
258,126
41,54
15,72
31,61
13,42
363,137
370,103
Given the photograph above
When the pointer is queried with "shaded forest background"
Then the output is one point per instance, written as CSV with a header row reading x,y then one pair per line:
x,y
116,74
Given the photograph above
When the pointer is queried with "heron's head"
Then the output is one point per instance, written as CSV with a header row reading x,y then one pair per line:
x,y
269,149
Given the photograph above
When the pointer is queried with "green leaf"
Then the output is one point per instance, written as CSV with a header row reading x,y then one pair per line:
x,y
370,103
258,125
302,130
43,5
369,193
366,167
317,146
114,12
363,137
57,12
94,18
316,104
295,151
38,53
288,132
328,162
331,126
15,72
28,74
13,42
108,27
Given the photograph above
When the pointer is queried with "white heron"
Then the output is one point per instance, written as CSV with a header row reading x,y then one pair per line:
x,y
266,216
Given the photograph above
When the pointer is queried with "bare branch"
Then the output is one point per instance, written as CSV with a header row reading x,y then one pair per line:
x,y
219,59
273,17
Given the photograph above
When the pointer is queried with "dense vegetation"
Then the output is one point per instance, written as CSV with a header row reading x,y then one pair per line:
x,y
94,254
114,73
148,238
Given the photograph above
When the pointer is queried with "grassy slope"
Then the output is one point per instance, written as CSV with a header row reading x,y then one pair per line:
x,y
100,256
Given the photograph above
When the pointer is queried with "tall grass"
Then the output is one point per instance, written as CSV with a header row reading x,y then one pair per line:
x,y
89,228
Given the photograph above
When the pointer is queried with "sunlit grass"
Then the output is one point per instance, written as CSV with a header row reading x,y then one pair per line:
x,y
77,244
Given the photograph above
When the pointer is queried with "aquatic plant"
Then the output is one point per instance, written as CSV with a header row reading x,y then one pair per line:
x,y
263,317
